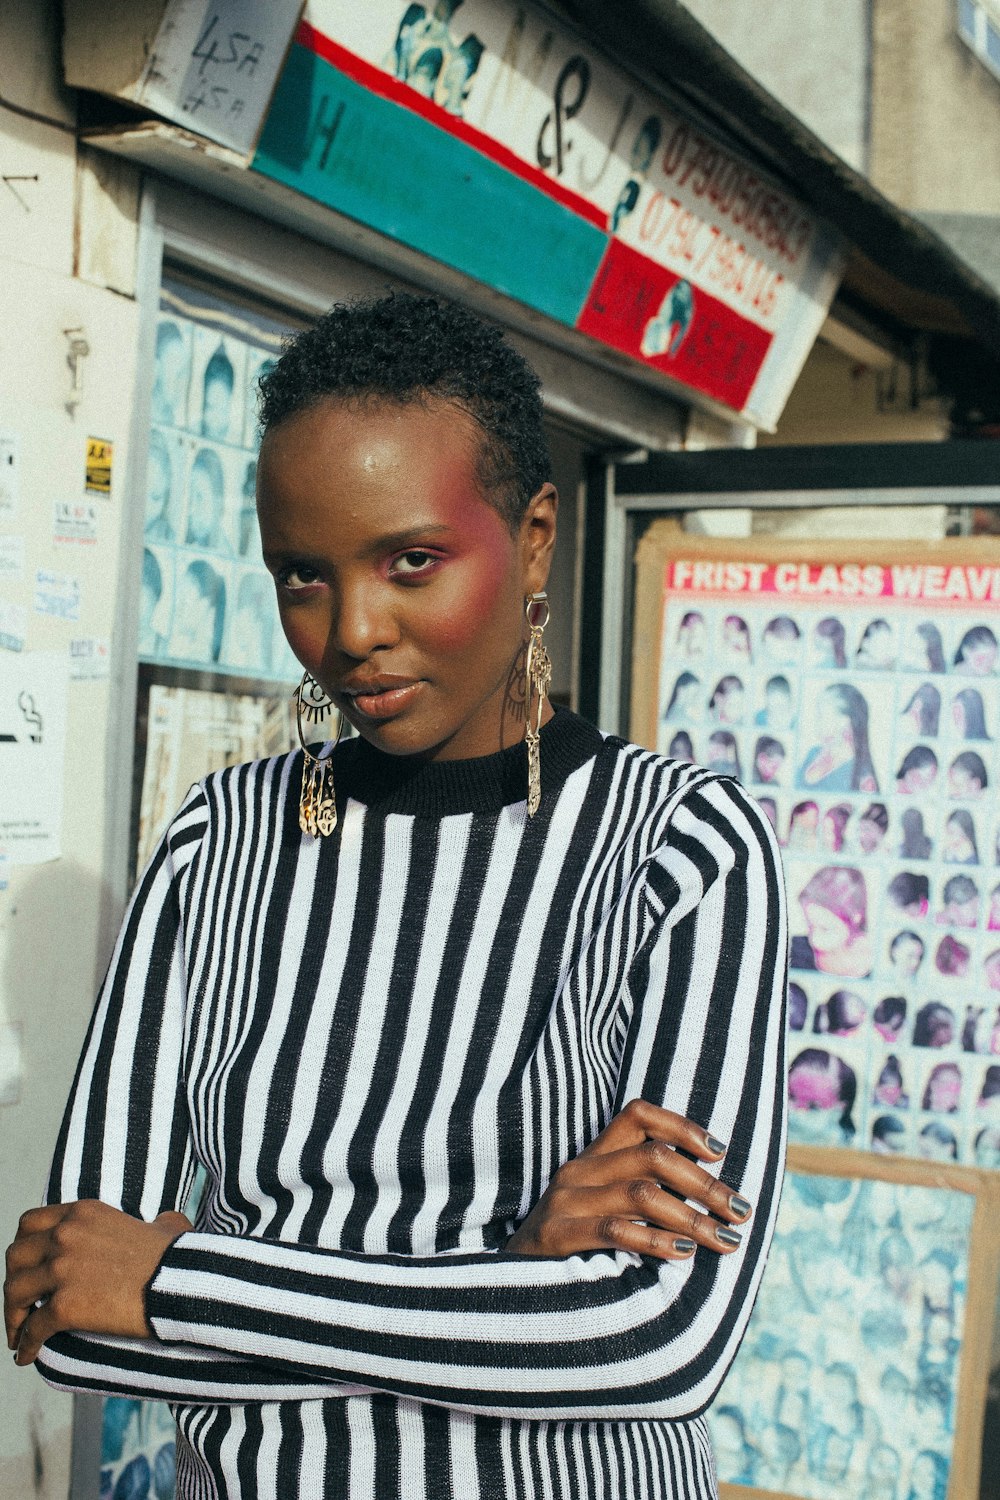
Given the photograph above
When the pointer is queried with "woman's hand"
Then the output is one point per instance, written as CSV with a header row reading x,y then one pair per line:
x,y
88,1266
611,1196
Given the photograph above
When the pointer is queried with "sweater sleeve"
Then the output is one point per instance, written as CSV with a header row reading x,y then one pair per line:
x,y
139,1157
592,1336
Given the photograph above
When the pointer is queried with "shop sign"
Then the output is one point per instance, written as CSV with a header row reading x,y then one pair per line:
x,y
209,65
481,134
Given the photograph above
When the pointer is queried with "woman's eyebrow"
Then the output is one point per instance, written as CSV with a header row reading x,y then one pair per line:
x,y
391,539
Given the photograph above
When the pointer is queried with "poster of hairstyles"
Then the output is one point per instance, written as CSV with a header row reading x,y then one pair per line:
x,y
855,691
875,1389
207,599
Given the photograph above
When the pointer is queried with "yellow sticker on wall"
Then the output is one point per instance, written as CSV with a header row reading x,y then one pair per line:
x,y
99,456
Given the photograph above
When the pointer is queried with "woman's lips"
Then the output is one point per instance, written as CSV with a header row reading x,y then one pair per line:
x,y
385,704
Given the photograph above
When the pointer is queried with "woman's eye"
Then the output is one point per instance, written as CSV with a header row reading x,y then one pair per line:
x,y
297,576
412,564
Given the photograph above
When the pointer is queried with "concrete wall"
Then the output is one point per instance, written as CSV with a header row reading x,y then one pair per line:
x,y
810,54
935,126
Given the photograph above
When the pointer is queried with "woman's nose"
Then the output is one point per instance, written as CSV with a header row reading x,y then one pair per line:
x,y
362,621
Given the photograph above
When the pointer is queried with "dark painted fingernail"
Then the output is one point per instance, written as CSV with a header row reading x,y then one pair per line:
x,y
729,1236
716,1147
684,1247
740,1206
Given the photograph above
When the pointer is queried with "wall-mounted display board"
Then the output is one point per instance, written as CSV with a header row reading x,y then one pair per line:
x,y
863,1373
855,689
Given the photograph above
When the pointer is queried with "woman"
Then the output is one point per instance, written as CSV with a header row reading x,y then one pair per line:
x,y
959,845
830,642
925,649
736,638
409,1044
822,1089
691,635
877,647
685,701
726,702
890,1089
917,771
723,754
841,761
977,652
834,904
803,826
967,775
923,710
835,821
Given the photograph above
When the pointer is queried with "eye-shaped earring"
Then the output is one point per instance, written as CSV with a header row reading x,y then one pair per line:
x,y
317,803
537,677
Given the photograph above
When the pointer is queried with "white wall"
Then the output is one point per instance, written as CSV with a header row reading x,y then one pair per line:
x,y
812,55
51,914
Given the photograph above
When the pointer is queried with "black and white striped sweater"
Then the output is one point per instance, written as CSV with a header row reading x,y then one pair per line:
x,y
380,1046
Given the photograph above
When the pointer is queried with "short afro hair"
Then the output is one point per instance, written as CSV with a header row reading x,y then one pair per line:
x,y
404,348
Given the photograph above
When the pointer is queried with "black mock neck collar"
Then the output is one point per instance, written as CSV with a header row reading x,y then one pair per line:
x,y
485,784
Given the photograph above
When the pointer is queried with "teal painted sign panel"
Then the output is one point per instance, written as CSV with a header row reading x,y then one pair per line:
x,y
334,141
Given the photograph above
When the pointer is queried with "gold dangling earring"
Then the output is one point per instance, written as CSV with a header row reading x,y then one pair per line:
x,y
317,804
537,676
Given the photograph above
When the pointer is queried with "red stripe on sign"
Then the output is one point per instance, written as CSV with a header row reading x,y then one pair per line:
x,y
378,82
654,315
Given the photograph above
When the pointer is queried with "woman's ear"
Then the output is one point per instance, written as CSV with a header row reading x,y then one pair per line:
x,y
538,538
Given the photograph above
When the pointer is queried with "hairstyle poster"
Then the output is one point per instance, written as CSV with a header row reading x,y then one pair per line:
x,y
855,692
864,1369
207,599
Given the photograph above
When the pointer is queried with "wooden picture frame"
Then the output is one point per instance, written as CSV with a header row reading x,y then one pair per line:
x,y
976,1264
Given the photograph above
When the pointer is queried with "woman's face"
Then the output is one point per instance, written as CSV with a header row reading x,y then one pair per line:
x,y
945,1090
980,657
906,956
962,783
693,636
735,639
958,715
729,705
870,835
399,587
917,778
827,931
957,844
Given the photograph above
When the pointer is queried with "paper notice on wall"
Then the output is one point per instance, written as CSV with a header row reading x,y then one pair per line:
x,y
11,559
10,475
89,658
57,594
13,626
33,690
98,470
74,521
